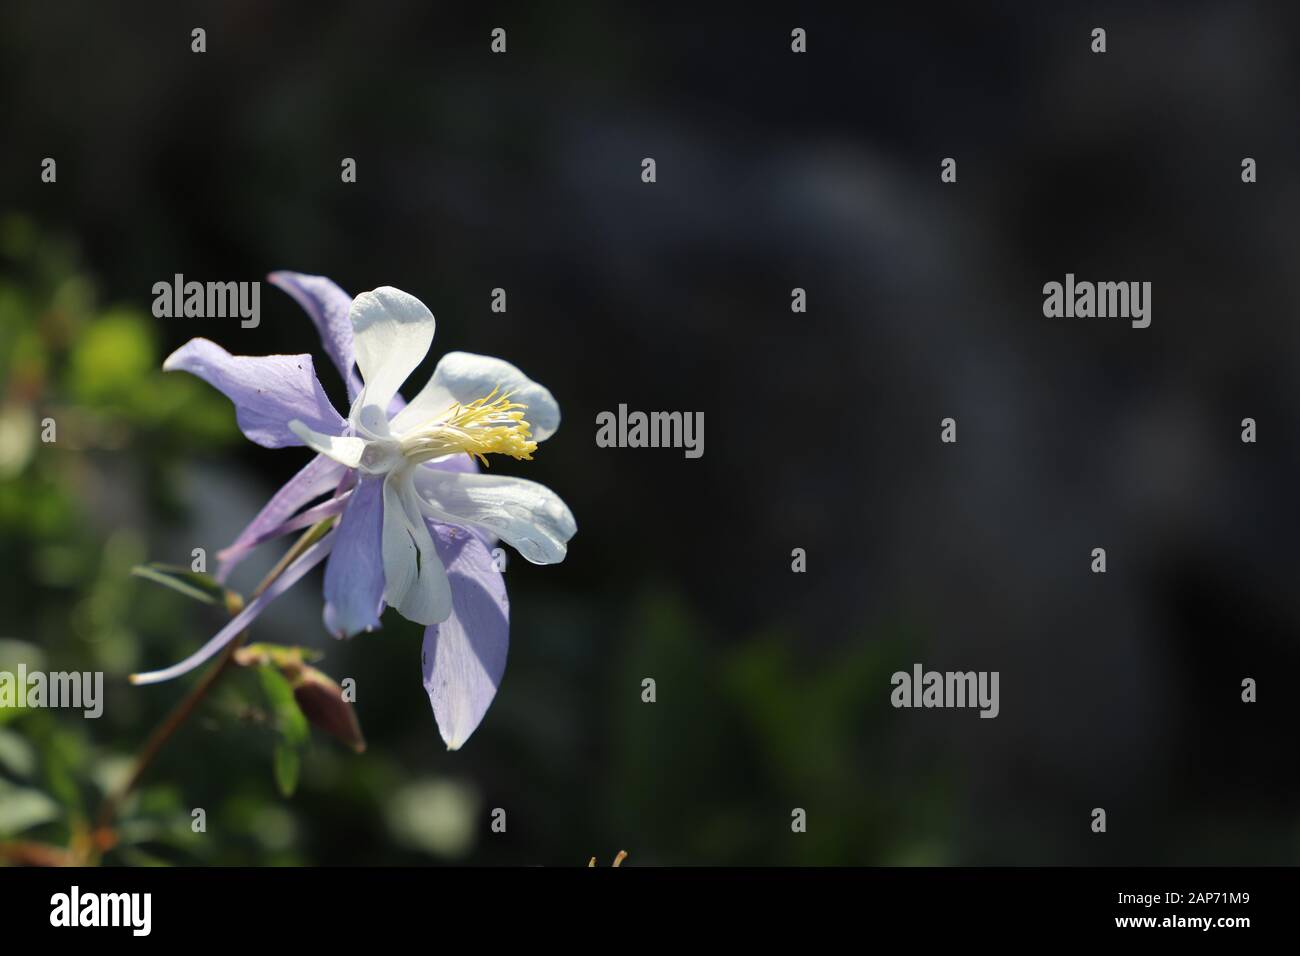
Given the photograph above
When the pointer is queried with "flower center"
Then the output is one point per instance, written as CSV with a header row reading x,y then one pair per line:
x,y
492,425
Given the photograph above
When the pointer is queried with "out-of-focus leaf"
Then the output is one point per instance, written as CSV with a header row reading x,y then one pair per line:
x,y
64,752
18,431
112,357
12,655
287,764
435,816
200,587
22,808
17,755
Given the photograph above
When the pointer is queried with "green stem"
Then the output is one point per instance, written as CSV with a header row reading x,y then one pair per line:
x,y
182,711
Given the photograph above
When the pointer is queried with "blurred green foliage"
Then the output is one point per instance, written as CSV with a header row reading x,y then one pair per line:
x,y
79,384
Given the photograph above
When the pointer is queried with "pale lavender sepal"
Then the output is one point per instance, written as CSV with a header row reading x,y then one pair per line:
x,y
320,476
268,391
327,305
464,657
301,521
354,577
291,575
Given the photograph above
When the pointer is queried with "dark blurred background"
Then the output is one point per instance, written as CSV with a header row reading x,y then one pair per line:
x,y
775,170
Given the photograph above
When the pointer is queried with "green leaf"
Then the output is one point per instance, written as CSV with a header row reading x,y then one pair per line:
x,y
289,719
287,764
17,756
22,808
200,587
291,725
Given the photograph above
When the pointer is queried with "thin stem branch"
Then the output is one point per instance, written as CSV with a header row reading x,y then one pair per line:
x,y
182,711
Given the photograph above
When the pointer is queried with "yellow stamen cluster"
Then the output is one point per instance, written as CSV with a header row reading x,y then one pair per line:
x,y
492,425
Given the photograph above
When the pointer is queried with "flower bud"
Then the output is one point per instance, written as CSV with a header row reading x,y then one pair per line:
x,y
321,702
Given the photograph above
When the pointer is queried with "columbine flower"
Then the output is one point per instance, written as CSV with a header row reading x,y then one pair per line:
x,y
418,520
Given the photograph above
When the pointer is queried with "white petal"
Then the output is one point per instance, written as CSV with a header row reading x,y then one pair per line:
x,y
528,516
345,449
392,331
415,582
464,377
